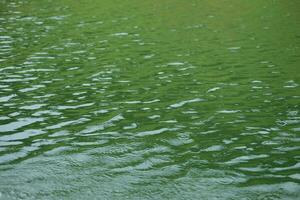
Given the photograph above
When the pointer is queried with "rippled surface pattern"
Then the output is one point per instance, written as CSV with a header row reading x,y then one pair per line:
x,y
152,99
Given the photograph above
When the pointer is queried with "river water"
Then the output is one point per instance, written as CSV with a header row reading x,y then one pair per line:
x,y
152,99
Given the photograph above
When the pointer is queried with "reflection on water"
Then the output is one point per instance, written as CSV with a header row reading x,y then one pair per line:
x,y
149,99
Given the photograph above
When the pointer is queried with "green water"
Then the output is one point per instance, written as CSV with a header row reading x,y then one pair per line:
x,y
149,99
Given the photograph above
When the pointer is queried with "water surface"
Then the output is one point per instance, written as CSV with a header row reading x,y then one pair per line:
x,y
119,99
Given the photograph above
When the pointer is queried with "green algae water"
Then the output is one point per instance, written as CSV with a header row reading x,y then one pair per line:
x,y
152,99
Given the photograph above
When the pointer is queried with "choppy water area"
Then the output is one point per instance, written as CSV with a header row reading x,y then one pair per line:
x,y
119,99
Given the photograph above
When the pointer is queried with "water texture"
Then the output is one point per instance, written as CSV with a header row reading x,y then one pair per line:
x,y
131,99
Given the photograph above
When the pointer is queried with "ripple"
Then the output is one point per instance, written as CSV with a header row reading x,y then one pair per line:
x,y
228,111
155,132
74,107
131,126
182,103
67,123
214,148
22,135
32,107
35,87
102,126
120,34
19,123
213,89
242,159
7,98
279,169
13,156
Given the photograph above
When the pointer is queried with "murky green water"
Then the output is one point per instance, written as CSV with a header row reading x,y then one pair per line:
x,y
152,99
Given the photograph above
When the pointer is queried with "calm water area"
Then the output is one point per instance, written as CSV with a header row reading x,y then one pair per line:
x,y
150,99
